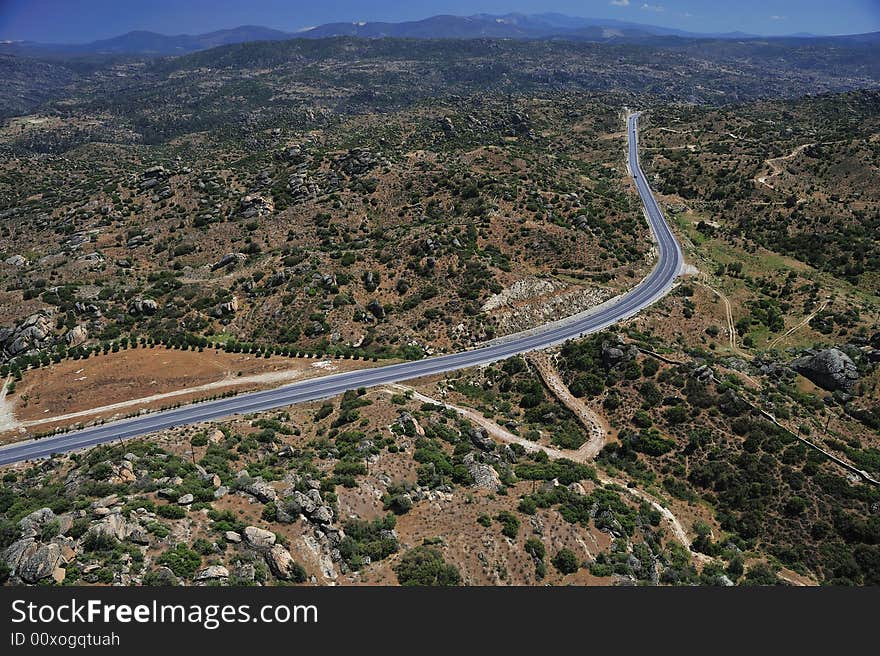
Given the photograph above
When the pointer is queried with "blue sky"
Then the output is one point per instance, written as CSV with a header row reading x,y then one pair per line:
x,y
72,21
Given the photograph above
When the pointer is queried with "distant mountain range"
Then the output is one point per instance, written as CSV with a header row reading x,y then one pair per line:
x,y
508,26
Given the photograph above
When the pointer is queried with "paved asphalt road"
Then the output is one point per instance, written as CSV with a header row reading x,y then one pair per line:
x,y
649,290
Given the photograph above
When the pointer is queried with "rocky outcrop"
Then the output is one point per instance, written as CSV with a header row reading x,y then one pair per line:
x,y
281,562
227,308
831,369
259,538
310,504
357,161
31,561
484,475
480,438
229,260
76,335
617,351
257,488
32,334
16,261
214,573
143,306
522,290
376,309
253,205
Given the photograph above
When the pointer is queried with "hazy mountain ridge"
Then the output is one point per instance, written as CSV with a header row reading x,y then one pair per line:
x,y
507,26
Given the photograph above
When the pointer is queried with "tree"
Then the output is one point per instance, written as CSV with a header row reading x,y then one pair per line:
x,y
425,566
566,561
535,548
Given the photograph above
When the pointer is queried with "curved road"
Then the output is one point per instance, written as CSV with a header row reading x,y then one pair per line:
x,y
650,289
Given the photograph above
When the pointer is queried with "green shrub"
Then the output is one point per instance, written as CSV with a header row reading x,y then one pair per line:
x,y
425,566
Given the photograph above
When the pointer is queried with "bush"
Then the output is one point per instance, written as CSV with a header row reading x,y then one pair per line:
x,y
535,548
181,560
509,524
169,511
566,561
425,566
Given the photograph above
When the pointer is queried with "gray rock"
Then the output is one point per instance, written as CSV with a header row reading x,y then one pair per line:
x,y
16,261
259,538
375,308
484,475
280,562
230,259
212,573
31,561
143,306
480,438
259,489
186,500
76,335
831,369
232,536
322,515
32,524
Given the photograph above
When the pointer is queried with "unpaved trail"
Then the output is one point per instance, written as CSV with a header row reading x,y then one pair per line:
x,y
506,436
731,328
597,428
776,166
803,322
227,382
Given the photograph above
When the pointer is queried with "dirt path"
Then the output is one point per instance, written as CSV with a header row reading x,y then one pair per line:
x,y
776,166
578,455
803,322
731,327
597,428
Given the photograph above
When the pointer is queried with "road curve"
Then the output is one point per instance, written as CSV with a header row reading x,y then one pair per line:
x,y
649,290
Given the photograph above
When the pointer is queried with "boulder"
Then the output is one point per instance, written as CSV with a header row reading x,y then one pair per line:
x,y
322,515
259,538
617,351
76,335
280,562
32,561
484,475
212,573
32,524
259,489
375,308
143,306
480,438
186,500
230,259
229,307
831,369
16,261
